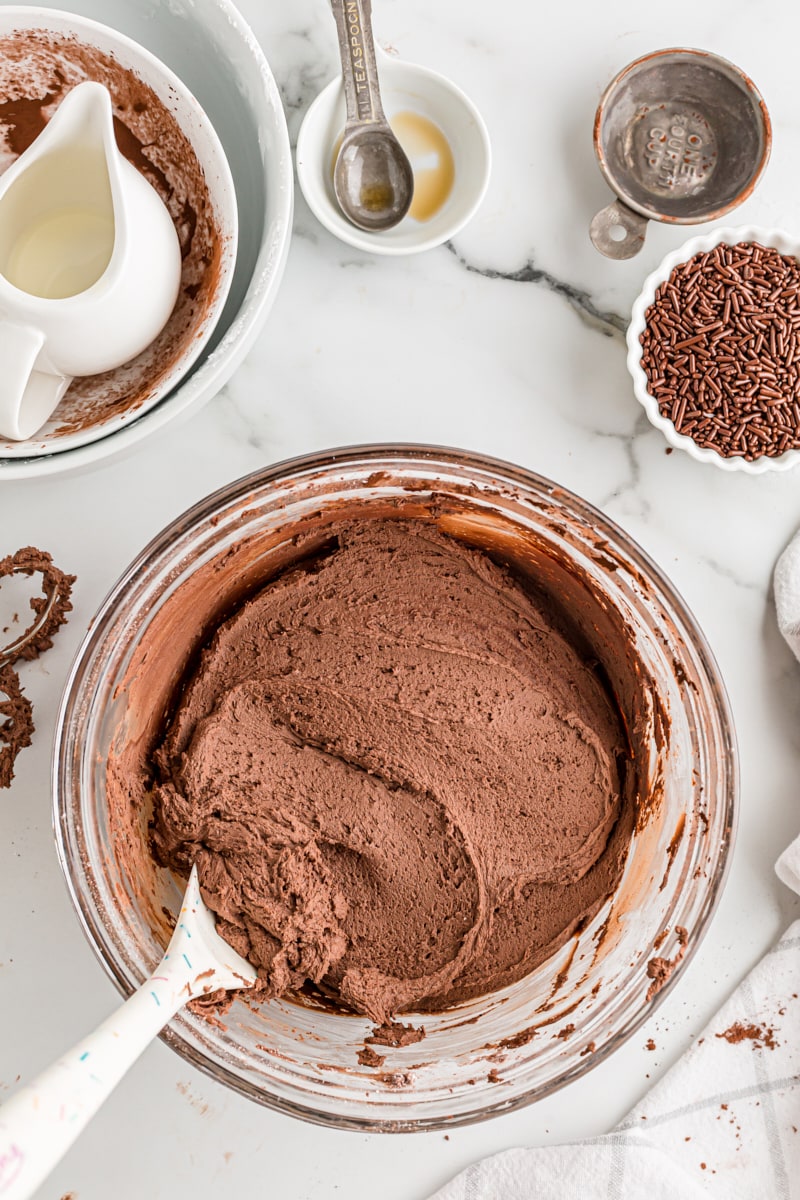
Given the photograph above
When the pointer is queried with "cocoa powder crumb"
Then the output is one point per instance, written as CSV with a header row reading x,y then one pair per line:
x,y
394,1034
760,1035
396,1079
369,1058
660,969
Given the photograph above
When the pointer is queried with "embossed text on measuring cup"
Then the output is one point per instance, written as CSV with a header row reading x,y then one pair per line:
x,y
671,149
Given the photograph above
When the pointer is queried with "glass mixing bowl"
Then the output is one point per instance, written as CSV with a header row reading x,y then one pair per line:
x,y
491,1054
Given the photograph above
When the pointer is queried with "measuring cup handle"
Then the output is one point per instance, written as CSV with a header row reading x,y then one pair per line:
x,y
27,396
618,219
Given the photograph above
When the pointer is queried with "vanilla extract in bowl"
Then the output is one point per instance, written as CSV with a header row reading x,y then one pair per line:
x,y
431,159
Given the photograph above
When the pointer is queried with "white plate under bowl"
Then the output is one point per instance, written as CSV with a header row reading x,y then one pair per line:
x,y
775,239
215,54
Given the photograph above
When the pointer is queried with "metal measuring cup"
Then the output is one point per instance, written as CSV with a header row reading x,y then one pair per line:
x,y
681,136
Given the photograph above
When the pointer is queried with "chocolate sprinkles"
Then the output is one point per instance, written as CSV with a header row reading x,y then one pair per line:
x,y
721,350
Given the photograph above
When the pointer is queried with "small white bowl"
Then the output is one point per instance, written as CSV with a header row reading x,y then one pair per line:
x,y
405,87
241,100
776,239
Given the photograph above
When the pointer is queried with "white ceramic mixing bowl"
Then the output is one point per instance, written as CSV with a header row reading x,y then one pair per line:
x,y
215,54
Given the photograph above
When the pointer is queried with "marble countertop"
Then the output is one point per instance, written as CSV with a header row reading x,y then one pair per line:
x,y
510,342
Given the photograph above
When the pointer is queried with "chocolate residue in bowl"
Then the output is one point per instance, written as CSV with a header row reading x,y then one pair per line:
x,y
394,1034
672,849
660,969
37,70
370,1058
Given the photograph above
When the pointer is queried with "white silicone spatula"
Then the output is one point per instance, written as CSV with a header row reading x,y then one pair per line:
x,y
42,1120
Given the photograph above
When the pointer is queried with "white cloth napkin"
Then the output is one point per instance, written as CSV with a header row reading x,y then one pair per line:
x,y
724,1121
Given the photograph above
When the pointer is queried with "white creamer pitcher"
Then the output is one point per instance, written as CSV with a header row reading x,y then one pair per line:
x,y
90,261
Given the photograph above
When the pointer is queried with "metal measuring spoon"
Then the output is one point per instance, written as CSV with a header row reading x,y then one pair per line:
x,y
372,177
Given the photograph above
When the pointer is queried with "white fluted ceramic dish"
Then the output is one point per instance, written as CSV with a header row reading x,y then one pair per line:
x,y
773,238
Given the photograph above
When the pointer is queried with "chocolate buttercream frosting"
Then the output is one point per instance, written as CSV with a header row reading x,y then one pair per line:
x,y
399,776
